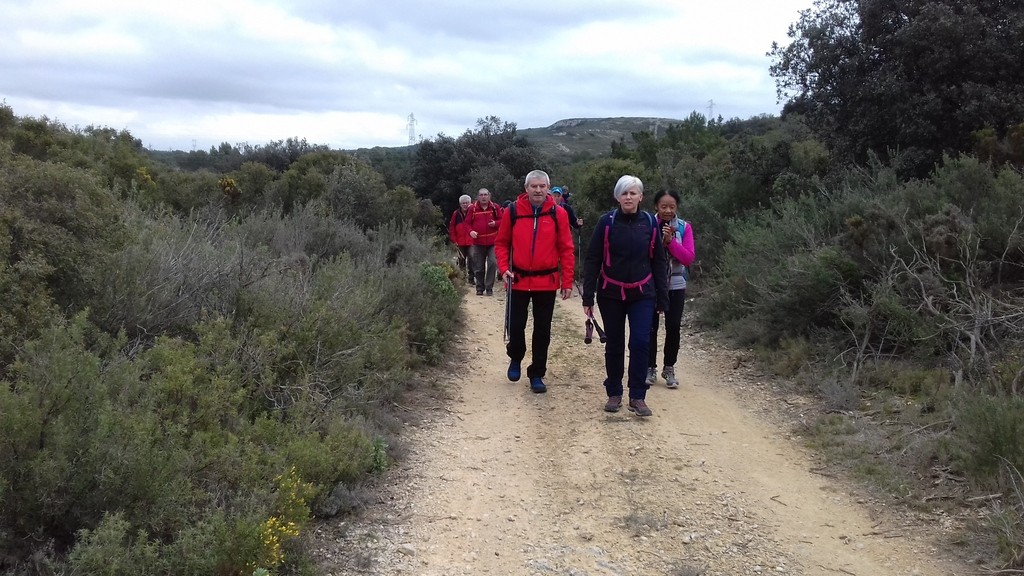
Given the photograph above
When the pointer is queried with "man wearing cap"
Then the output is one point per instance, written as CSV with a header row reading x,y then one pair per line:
x,y
574,222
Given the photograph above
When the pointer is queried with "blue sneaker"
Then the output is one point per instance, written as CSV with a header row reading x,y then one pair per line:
x,y
537,385
514,371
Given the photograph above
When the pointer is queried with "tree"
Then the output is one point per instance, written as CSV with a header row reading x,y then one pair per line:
x,y
356,192
305,180
907,80
445,166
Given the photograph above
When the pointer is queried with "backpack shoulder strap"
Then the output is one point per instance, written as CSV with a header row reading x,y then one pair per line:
x,y
607,227
654,231
553,213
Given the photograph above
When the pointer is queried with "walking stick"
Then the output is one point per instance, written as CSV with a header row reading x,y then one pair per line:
x,y
600,331
591,322
508,307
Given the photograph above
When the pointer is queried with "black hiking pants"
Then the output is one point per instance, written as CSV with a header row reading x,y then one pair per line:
x,y
673,327
543,312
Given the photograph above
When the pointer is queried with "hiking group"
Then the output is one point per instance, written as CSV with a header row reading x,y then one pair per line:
x,y
635,270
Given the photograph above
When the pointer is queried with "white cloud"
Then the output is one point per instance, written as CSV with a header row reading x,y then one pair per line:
x,y
348,74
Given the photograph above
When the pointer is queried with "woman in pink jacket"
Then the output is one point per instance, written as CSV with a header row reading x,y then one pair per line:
x,y
677,236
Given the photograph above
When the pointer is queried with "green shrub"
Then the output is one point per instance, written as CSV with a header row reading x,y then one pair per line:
x,y
711,235
356,192
989,431
55,223
164,440
1007,521
114,548
175,272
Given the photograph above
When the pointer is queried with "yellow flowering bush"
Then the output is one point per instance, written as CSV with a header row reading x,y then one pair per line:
x,y
229,187
292,509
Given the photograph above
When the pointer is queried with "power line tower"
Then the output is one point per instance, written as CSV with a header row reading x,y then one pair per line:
x,y
711,109
412,129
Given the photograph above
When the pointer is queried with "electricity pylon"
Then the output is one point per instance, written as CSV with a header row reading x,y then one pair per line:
x,y
412,129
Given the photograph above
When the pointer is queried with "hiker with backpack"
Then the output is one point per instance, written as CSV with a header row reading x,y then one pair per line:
x,y
535,255
483,217
677,237
458,234
574,221
626,272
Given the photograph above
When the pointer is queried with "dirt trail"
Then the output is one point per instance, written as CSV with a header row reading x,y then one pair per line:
x,y
507,482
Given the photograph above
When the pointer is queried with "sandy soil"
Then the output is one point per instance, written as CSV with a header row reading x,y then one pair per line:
x,y
503,481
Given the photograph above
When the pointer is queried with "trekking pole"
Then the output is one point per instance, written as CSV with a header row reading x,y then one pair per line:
x,y
579,262
600,331
508,307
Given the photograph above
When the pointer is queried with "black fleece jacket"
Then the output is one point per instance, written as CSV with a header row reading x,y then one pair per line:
x,y
629,259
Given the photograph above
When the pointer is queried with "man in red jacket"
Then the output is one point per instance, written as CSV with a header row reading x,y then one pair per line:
x,y
482,218
535,256
458,233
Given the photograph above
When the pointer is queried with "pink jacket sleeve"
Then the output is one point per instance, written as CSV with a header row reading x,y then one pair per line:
x,y
683,251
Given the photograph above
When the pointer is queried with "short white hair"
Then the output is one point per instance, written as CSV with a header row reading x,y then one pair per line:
x,y
625,183
537,175
465,198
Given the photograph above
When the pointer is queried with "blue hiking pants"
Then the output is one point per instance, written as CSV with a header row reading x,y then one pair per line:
x,y
615,314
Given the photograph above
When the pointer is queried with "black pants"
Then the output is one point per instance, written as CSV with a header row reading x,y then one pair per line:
x,y
543,312
673,325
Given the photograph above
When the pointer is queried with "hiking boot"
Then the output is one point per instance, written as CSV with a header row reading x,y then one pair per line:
x,y
479,292
669,374
537,385
514,371
652,376
613,404
639,407
490,292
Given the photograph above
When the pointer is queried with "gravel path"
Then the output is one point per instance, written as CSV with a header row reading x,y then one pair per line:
x,y
502,481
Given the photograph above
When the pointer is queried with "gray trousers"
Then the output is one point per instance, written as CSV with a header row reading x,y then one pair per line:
x,y
484,265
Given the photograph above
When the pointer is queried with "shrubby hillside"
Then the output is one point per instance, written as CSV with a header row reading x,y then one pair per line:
x,y
195,363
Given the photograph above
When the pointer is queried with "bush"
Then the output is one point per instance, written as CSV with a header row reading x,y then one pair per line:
x,y
55,223
175,272
989,431
161,444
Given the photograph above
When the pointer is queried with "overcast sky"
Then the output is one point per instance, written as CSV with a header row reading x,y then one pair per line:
x,y
187,74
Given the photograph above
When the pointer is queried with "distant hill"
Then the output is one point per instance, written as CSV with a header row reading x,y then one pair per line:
x,y
566,140
576,138
580,138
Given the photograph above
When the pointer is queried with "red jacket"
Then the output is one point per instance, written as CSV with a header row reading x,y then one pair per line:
x,y
458,229
480,219
537,247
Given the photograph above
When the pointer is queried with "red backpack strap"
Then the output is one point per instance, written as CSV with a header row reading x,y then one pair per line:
x,y
607,227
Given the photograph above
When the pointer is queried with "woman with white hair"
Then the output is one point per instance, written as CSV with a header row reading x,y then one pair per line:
x,y
626,271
